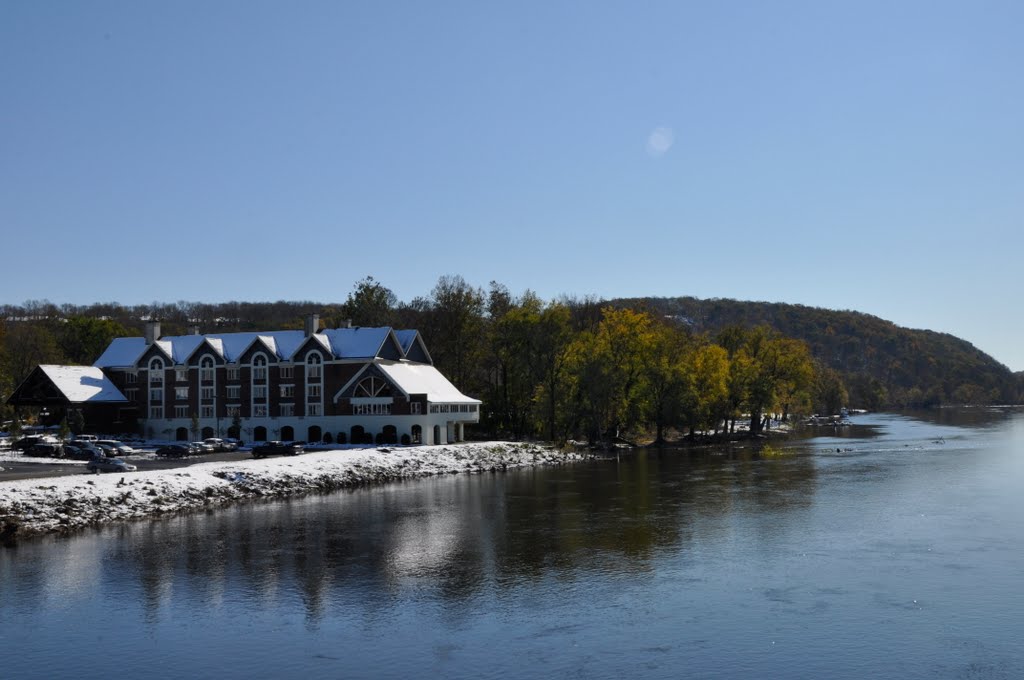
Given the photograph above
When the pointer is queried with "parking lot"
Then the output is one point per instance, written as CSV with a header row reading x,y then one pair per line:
x,y
16,466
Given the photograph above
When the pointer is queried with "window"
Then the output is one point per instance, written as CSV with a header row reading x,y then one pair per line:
x,y
259,411
156,370
373,387
131,377
313,391
232,372
287,372
313,410
181,375
206,369
205,411
259,392
181,411
181,393
234,391
287,410
313,365
234,411
206,392
287,391
156,394
259,368
415,407
131,394
156,411
371,409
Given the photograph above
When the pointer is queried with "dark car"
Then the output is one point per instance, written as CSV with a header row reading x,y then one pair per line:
x,y
174,451
43,450
25,443
109,465
277,449
76,452
83,451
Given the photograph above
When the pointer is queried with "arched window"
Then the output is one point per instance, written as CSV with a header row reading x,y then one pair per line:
x,y
373,386
181,434
314,434
314,388
417,434
206,369
259,434
259,387
288,433
156,387
314,364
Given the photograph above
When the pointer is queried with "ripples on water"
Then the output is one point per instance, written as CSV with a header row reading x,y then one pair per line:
x,y
890,549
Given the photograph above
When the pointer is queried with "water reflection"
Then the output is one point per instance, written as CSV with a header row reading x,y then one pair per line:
x,y
440,538
690,551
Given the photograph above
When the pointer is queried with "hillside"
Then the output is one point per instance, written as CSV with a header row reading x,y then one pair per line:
x,y
883,364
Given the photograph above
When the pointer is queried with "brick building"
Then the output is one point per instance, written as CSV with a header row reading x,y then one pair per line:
x,y
346,385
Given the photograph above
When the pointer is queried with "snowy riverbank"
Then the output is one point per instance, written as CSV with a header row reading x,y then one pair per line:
x,y
60,504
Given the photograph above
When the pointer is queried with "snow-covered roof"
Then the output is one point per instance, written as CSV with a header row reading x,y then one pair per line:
x,y
121,352
425,379
82,383
342,343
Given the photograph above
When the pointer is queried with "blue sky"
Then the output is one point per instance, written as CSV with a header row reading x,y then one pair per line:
x,y
857,155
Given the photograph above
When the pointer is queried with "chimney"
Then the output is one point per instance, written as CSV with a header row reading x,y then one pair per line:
x,y
152,331
193,329
347,323
312,324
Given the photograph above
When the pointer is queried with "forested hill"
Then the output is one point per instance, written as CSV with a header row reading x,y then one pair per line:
x,y
882,364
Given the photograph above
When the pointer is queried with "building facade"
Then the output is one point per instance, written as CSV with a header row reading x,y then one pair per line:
x,y
343,385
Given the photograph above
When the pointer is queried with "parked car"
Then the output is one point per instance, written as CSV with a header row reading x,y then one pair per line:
x,y
220,445
277,448
77,453
86,451
174,451
121,448
25,443
45,450
201,447
86,438
109,465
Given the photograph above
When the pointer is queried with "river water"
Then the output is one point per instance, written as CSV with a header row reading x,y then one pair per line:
x,y
890,549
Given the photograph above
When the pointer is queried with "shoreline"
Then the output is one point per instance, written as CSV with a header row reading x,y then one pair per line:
x,y
34,507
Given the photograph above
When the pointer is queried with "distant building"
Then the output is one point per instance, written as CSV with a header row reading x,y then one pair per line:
x,y
345,385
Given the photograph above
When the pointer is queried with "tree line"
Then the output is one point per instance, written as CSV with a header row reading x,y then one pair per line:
x,y
557,369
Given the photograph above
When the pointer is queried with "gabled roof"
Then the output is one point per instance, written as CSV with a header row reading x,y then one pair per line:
x,y
341,343
75,384
411,341
359,343
424,379
121,352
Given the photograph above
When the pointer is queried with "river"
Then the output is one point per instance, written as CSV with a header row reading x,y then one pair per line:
x,y
890,549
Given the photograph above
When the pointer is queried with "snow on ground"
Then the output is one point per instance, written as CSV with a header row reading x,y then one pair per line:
x,y
36,506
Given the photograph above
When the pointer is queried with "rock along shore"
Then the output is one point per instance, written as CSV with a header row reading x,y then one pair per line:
x,y
38,506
